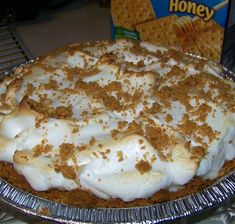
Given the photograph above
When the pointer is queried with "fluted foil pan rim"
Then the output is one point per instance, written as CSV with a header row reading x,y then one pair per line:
x,y
208,198
217,194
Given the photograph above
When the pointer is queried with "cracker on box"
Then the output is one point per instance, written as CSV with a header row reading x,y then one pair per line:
x,y
158,31
211,45
207,40
122,14
128,13
143,11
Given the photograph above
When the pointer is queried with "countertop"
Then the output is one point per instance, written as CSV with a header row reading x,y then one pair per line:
x,y
79,21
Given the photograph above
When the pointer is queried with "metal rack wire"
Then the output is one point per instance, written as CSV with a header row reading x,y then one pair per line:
x,y
11,52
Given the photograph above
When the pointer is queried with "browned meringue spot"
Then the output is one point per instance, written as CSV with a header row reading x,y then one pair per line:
x,y
22,109
8,98
22,157
197,153
4,142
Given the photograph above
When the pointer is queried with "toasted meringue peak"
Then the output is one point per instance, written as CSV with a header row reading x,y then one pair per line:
x,y
9,98
4,143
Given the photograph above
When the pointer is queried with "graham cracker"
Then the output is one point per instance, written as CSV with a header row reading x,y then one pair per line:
x,y
158,31
143,11
122,14
207,40
128,13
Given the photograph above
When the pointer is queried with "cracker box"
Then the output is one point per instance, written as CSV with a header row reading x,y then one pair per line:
x,y
201,27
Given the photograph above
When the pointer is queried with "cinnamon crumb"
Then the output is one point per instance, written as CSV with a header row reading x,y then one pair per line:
x,y
120,156
67,171
168,118
66,151
41,149
92,141
143,166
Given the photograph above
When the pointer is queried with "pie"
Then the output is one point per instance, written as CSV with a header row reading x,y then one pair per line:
x,y
116,124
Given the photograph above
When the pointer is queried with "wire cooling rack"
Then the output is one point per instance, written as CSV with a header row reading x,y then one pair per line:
x,y
11,51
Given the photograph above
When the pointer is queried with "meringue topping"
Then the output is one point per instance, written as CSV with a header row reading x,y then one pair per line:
x,y
120,119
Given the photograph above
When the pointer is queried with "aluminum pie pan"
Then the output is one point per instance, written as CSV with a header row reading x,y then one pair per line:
x,y
218,194
205,200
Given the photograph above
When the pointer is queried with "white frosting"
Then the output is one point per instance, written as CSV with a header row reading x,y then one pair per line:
x,y
109,166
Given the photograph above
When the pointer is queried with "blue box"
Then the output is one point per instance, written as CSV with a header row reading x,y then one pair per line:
x,y
201,27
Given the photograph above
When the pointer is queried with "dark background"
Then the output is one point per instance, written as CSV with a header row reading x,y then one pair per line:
x,y
20,10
